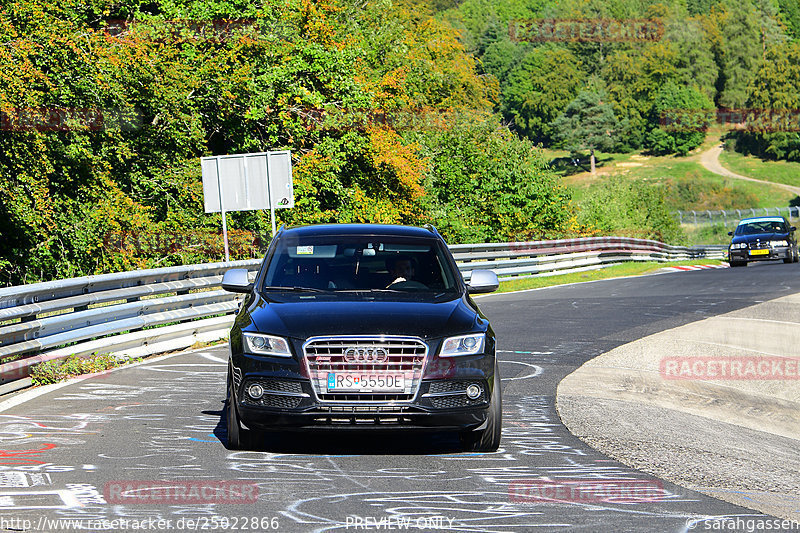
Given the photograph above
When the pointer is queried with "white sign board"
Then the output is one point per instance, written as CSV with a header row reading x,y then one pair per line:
x,y
280,179
247,180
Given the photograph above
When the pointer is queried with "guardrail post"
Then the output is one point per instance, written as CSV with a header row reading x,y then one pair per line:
x,y
709,216
753,211
725,217
739,214
131,300
695,216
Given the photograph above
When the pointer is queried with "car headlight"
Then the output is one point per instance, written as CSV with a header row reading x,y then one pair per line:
x,y
266,345
738,245
463,345
778,243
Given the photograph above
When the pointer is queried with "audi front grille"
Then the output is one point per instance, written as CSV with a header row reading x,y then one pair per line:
x,y
377,357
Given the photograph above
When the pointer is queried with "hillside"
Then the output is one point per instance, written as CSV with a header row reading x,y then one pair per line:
x,y
409,112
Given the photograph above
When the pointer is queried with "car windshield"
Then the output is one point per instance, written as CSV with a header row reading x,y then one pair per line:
x,y
761,226
364,263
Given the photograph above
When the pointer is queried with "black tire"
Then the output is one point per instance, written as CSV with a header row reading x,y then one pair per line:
x,y
236,433
737,263
788,260
796,256
488,439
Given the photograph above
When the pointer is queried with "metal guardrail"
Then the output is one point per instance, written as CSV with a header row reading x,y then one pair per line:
x,y
733,215
150,311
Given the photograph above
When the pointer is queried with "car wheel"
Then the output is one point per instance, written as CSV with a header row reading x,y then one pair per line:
x,y
788,260
738,263
236,434
796,256
488,439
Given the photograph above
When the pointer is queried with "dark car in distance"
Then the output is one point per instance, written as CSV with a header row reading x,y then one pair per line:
x,y
762,239
355,326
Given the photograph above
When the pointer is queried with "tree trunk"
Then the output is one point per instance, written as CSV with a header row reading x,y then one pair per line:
x,y
592,159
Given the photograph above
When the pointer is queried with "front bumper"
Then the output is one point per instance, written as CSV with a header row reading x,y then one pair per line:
x,y
439,404
291,402
406,418
741,255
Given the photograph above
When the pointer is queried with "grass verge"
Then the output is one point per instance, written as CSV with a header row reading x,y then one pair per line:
x,y
786,172
625,269
55,371
709,233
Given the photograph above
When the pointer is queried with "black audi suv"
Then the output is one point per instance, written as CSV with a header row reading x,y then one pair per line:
x,y
362,326
761,239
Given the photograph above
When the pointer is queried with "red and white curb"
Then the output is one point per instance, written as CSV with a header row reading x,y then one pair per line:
x,y
686,268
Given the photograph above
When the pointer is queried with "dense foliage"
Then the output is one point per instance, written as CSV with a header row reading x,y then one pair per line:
x,y
386,114
411,111
698,56
774,131
631,208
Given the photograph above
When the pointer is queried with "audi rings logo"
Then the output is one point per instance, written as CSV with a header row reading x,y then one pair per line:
x,y
365,355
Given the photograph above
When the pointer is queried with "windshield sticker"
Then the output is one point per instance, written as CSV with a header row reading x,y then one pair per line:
x,y
305,250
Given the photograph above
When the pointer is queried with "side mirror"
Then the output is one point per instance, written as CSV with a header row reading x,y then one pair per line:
x,y
482,281
235,280
730,233
793,228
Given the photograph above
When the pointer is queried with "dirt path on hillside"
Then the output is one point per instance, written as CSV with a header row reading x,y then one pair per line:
x,y
710,160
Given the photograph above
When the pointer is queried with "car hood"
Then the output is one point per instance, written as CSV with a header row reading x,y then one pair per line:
x,y
763,237
304,317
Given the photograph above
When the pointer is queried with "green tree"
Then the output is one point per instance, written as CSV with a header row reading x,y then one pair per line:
x,y
694,62
682,115
487,183
772,129
789,14
587,123
633,79
543,84
740,51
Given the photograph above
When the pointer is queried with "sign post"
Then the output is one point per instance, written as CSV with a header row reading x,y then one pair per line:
x,y
246,182
224,215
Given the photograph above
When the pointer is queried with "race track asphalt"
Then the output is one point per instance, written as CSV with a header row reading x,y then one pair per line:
x,y
75,452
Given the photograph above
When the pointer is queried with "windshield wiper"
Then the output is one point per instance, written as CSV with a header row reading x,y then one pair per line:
x,y
291,289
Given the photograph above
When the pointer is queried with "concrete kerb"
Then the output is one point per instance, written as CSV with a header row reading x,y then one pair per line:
x,y
746,431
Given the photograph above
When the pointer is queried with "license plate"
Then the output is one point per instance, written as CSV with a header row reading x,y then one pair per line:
x,y
759,252
340,382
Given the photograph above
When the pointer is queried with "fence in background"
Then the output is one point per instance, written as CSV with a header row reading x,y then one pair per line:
x,y
732,216
137,313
